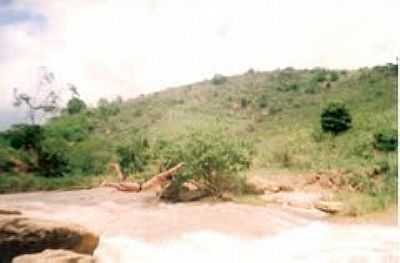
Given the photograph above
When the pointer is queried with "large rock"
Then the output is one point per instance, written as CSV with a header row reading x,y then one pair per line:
x,y
20,235
55,256
187,192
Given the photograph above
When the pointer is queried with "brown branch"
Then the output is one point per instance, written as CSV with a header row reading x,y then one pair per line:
x,y
158,181
162,178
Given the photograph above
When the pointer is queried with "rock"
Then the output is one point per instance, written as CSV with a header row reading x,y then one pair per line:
x,y
9,211
286,188
55,256
227,197
20,235
186,193
330,207
255,187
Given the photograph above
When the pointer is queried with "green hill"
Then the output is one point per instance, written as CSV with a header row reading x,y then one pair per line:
x,y
277,111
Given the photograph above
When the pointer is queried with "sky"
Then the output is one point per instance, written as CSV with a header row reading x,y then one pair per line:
x,y
118,47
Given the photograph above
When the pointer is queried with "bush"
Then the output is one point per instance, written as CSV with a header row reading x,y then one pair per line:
x,y
211,159
244,103
53,157
24,136
320,75
218,79
5,162
90,157
107,109
262,101
335,118
135,156
386,140
75,105
334,76
71,128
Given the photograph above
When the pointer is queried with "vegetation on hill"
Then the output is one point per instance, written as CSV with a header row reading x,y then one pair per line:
x,y
299,120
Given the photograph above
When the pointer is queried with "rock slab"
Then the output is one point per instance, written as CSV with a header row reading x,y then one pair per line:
x,y
21,235
55,256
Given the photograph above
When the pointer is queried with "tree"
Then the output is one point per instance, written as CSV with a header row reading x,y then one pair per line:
x,y
75,105
46,98
335,118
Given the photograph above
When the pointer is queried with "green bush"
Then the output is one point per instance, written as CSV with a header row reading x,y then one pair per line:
x,y
211,159
244,102
320,75
107,109
90,157
334,76
218,79
71,128
75,105
134,156
386,140
53,157
24,136
5,162
335,118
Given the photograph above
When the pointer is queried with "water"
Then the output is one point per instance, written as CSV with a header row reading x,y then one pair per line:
x,y
316,242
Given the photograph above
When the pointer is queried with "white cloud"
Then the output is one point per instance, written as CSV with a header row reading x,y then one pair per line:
x,y
122,47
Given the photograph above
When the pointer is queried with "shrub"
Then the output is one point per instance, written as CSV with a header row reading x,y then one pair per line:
x,y
134,156
262,101
75,105
386,140
334,76
24,136
320,76
211,159
53,157
5,163
218,79
71,128
107,109
90,156
244,102
335,118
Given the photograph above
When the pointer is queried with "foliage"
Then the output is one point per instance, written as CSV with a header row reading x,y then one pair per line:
x,y
218,79
134,156
46,97
320,75
53,158
244,102
386,140
71,128
5,162
335,118
107,109
75,105
90,157
211,159
24,136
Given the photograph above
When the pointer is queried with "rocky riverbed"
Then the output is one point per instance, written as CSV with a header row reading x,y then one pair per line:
x,y
138,228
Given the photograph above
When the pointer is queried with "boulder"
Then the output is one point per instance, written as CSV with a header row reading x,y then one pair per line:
x,y
187,192
330,207
254,187
21,235
54,256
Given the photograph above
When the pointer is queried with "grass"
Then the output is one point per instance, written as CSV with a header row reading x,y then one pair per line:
x,y
277,110
28,183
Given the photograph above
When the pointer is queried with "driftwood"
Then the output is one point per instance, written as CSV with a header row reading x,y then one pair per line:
x,y
157,182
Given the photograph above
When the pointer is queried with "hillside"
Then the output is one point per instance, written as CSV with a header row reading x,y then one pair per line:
x,y
277,111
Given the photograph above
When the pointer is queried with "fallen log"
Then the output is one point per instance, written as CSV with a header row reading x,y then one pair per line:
x,y
157,182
